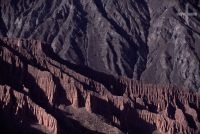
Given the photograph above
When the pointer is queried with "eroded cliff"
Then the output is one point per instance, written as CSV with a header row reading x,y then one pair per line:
x,y
141,39
51,95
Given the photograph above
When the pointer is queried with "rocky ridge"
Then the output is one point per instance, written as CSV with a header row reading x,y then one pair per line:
x,y
142,39
52,95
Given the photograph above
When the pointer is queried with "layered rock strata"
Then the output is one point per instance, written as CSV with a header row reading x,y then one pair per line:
x,y
63,97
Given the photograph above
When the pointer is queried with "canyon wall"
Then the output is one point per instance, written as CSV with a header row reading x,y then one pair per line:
x,y
52,95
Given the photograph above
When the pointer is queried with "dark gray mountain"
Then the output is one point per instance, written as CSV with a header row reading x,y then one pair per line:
x,y
63,62
142,39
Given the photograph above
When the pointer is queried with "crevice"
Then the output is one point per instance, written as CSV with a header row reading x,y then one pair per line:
x,y
3,28
142,46
191,122
118,29
109,81
32,61
128,117
78,39
115,57
60,93
37,95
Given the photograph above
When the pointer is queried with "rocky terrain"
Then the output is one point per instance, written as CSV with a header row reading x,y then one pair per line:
x,y
40,93
142,39
99,66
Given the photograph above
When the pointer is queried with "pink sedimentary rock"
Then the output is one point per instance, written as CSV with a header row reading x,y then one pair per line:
x,y
21,105
124,103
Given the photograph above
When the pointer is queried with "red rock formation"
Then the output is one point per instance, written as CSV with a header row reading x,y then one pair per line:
x,y
49,83
22,107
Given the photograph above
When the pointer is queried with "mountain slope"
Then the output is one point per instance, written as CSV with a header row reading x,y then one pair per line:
x,y
96,33
142,39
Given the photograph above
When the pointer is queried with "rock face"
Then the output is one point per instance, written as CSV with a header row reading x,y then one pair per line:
x,y
24,112
40,91
142,39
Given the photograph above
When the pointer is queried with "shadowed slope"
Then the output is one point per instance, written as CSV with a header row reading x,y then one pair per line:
x,y
80,99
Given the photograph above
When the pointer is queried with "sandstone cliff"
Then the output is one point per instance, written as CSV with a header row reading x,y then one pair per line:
x,y
39,90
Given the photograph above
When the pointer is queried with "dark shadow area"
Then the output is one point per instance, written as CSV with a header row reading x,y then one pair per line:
x,y
192,105
131,56
68,125
9,125
190,121
12,76
3,28
80,31
179,104
110,82
89,86
9,75
117,68
129,118
12,124
37,95
118,29
171,111
151,107
131,52
32,61
60,93
14,3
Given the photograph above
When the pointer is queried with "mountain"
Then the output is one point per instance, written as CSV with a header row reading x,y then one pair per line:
x,y
40,93
99,66
141,39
